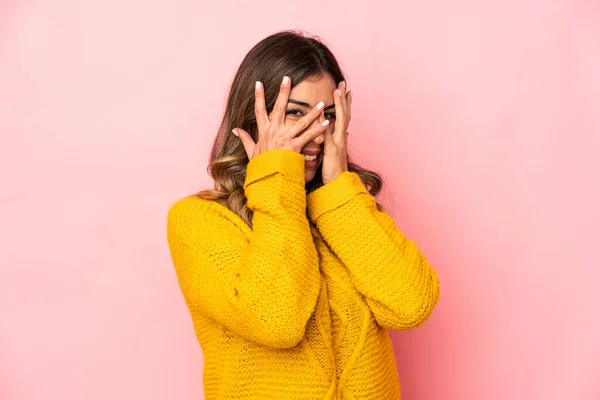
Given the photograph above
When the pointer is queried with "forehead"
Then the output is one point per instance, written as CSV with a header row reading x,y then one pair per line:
x,y
314,89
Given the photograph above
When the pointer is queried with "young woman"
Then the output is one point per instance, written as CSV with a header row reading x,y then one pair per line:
x,y
292,272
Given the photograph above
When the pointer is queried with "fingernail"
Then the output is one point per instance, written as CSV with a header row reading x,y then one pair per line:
x,y
257,85
235,133
344,84
286,80
320,105
339,93
325,123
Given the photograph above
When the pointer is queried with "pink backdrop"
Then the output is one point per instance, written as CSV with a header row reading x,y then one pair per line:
x,y
484,118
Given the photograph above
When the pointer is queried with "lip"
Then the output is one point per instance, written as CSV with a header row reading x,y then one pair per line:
x,y
311,152
314,163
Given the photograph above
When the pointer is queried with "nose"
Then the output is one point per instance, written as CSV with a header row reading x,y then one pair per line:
x,y
315,124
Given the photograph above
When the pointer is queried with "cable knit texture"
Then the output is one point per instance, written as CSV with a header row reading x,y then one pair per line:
x,y
298,306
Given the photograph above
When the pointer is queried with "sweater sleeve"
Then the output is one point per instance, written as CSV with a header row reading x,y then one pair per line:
x,y
262,282
399,285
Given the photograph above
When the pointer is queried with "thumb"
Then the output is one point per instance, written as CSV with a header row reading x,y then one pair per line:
x,y
246,140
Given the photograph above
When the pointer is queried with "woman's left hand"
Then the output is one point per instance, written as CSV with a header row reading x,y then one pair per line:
x,y
335,148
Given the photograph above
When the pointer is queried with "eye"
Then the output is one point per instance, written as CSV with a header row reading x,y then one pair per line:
x,y
295,112
330,116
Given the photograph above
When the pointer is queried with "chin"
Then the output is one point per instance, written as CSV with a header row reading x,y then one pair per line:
x,y
309,176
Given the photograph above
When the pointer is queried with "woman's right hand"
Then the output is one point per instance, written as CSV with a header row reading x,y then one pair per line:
x,y
272,132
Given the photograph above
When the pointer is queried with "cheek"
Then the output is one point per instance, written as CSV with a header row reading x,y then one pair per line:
x,y
331,127
289,121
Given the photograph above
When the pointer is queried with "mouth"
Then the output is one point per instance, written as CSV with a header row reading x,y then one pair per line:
x,y
311,157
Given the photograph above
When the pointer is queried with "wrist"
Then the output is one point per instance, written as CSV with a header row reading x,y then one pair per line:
x,y
332,176
335,194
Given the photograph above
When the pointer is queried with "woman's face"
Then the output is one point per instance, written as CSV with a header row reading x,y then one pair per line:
x,y
303,97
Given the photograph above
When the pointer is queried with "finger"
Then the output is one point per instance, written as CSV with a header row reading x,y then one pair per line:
x,y
246,140
312,133
278,114
305,121
342,87
340,113
260,108
349,105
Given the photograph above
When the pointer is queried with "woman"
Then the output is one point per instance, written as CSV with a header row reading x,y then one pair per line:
x,y
291,271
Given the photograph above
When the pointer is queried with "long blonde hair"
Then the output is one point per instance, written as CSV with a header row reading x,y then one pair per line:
x,y
285,53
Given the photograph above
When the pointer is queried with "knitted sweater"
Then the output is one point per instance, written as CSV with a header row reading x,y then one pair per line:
x,y
293,310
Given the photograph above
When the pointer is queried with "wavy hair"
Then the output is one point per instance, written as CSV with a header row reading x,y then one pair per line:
x,y
288,53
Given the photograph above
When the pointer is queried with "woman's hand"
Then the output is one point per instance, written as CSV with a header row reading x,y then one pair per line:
x,y
272,131
335,149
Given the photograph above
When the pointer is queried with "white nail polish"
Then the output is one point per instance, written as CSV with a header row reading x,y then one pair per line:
x,y
235,133
286,80
257,85
320,105
325,123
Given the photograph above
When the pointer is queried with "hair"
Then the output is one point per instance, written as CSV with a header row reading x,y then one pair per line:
x,y
284,53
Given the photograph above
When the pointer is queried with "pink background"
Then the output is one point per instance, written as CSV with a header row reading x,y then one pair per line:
x,y
484,118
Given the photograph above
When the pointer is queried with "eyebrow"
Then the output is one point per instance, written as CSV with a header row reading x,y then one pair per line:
x,y
303,104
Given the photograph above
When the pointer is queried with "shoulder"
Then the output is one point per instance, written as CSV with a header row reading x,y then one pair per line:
x,y
195,216
192,207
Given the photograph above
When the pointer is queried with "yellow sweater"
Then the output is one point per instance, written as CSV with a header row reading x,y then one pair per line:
x,y
291,310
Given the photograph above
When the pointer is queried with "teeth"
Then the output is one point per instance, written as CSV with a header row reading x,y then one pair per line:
x,y
310,158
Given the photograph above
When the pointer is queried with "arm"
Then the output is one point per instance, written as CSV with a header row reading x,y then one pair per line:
x,y
398,284
261,283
